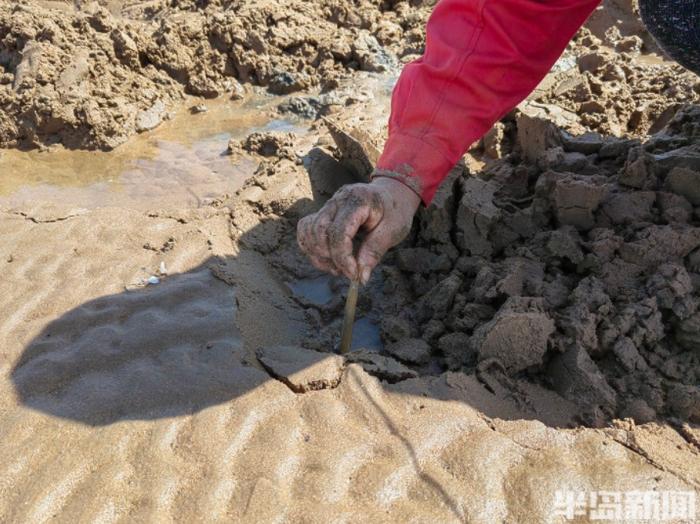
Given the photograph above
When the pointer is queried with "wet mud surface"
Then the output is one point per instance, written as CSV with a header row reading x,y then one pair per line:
x,y
182,164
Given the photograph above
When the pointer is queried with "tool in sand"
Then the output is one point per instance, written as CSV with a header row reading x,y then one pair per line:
x,y
359,155
349,317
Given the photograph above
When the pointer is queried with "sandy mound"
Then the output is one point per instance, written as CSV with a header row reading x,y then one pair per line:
x,y
615,90
91,78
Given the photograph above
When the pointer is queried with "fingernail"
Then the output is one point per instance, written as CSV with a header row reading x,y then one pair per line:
x,y
366,273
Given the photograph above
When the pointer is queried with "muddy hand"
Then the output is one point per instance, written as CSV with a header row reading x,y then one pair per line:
x,y
382,209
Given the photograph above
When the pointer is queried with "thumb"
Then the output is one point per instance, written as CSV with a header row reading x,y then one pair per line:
x,y
373,248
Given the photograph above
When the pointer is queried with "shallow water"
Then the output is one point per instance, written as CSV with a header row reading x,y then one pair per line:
x,y
365,335
316,290
182,163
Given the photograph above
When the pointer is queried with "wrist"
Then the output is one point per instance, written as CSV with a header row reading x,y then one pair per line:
x,y
399,190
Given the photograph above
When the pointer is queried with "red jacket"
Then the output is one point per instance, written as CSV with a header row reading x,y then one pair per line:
x,y
482,58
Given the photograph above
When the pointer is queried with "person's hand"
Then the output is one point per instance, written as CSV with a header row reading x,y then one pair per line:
x,y
382,209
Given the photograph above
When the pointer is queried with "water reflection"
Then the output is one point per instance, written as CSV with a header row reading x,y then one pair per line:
x,y
365,335
183,163
313,290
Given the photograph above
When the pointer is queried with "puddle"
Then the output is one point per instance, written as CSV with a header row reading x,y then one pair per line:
x,y
279,125
314,290
318,291
653,59
565,63
365,334
182,163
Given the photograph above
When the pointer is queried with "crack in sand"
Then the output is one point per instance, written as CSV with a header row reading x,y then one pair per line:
x,y
318,385
169,216
489,422
36,220
631,444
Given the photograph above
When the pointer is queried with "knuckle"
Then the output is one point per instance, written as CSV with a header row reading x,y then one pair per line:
x,y
326,212
354,192
357,199
320,231
336,234
338,195
307,228
303,226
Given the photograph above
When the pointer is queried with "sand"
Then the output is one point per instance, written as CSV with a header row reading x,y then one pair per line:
x,y
147,405
213,396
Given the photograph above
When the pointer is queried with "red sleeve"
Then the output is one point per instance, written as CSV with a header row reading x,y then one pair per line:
x,y
482,58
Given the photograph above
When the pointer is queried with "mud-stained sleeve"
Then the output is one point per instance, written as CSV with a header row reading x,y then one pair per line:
x,y
482,58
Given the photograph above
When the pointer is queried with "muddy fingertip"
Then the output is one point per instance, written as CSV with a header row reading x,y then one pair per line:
x,y
365,275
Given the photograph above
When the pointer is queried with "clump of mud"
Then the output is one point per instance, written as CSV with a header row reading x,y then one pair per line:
x,y
573,262
614,91
270,144
91,78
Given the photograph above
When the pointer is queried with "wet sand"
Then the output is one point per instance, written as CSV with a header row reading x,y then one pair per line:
x,y
146,406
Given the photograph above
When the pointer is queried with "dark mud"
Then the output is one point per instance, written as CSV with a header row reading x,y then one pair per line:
x,y
571,263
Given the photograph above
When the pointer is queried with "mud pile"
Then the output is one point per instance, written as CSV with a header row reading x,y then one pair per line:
x,y
572,261
614,90
76,78
91,78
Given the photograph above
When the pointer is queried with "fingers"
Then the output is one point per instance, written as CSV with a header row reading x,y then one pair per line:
x,y
375,246
313,239
341,232
308,246
371,252
327,236
319,230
